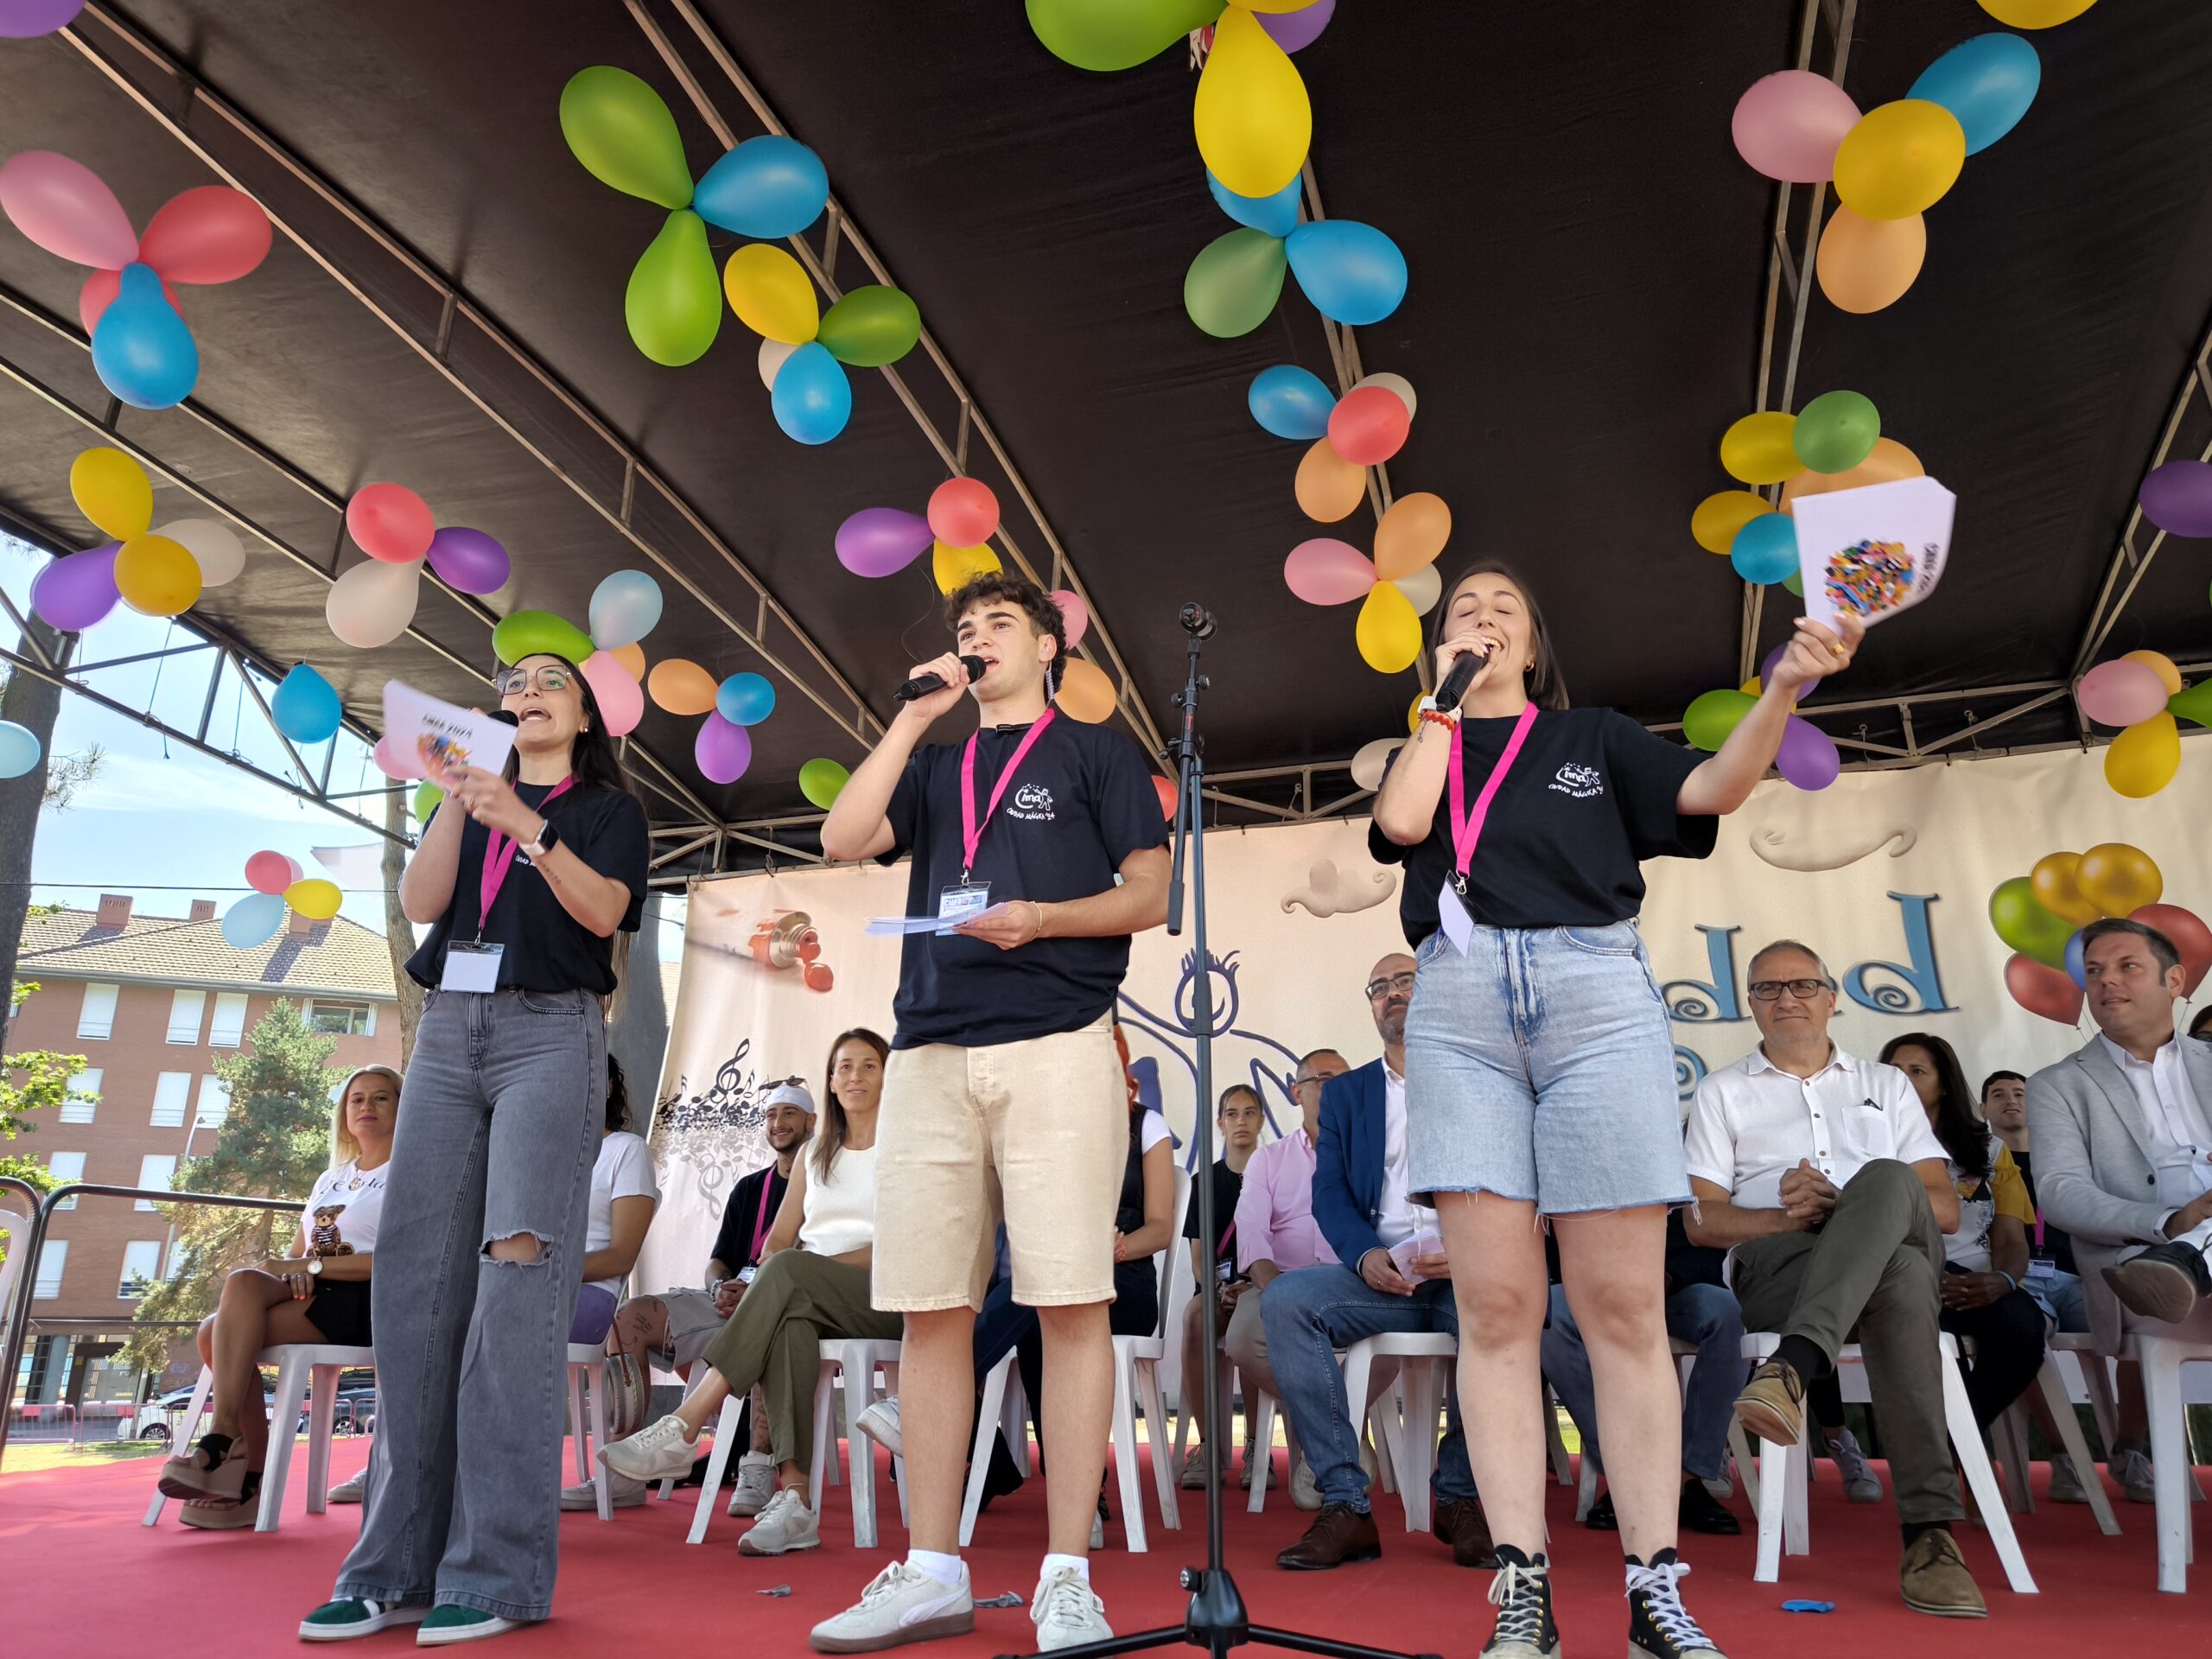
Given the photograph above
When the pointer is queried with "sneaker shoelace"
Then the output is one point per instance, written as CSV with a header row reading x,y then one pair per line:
x,y
1064,1598
893,1578
1517,1592
1661,1586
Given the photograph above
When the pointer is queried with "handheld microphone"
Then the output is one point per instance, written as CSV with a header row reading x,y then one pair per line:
x,y
1462,675
922,684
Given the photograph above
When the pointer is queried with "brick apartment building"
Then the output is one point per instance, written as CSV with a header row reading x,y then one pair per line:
x,y
151,1001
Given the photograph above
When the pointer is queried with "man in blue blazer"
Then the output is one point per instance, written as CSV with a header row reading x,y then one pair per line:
x,y
1362,1205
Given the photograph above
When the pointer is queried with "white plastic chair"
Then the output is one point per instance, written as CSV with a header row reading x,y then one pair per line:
x,y
1380,1431
586,1362
1003,1411
299,1366
2009,1436
1421,1357
1136,1375
2162,1358
1739,1445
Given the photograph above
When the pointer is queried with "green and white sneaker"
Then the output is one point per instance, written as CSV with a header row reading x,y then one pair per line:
x,y
453,1623
901,1604
351,1615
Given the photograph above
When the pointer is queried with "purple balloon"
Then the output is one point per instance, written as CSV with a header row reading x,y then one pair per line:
x,y
723,750
23,20
1293,30
1766,672
468,560
76,590
882,541
1809,759
2178,497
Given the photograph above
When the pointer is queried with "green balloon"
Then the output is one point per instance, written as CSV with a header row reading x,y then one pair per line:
x,y
1116,33
2195,702
1708,721
427,797
1231,287
870,327
823,781
621,130
1835,431
2023,923
674,303
1794,581
528,634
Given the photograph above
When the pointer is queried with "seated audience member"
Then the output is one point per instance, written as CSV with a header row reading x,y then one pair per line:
x,y
1238,1124
1986,1261
1700,1310
2053,1279
672,1330
813,1284
2201,1027
1390,1275
624,1195
1818,1171
318,1294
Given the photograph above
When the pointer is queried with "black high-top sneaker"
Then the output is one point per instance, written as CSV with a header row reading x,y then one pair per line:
x,y
1657,1624
1521,1592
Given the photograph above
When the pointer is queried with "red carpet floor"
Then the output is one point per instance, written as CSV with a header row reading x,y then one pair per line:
x,y
79,1570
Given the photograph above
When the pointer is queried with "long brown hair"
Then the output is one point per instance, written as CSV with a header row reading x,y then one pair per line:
x,y
829,1139
1547,685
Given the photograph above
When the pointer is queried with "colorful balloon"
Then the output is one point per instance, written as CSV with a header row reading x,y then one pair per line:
x,y
156,575
1329,487
2026,926
1757,449
1713,716
1865,264
210,234
254,919
112,490
2043,989
1789,125
770,186
2120,693
1411,535
1366,428
468,560
99,293
1767,668
1422,587
371,605
314,898
2036,14
2055,882
1891,460
425,802
621,130
723,749
1765,548
812,399
1807,757
882,541
770,360
2178,497
954,568
2194,705
670,306
870,327
1296,31
19,749
1233,284
1253,119
214,547
1388,629
1835,432
271,873
1370,762
963,512
1075,615
1987,82
2187,933
823,781
396,761
305,705
1395,383
1325,571
25,20
615,687
2143,759
1352,272
76,590
1900,159
1118,33
1085,693
625,608
390,522
632,659
1277,215
538,633
682,687
745,699
65,208
2159,664
1290,402
141,351
771,294
1164,788
2119,878
1715,520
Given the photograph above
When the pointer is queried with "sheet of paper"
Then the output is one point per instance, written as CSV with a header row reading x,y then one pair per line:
x,y
435,735
1873,551
895,926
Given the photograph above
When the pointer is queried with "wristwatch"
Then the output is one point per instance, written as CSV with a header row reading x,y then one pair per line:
x,y
315,1266
548,839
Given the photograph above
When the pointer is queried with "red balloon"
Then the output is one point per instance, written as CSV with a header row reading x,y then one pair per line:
x,y
1369,425
390,522
268,872
2046,991
1164,788
210,234
2189,936
963,512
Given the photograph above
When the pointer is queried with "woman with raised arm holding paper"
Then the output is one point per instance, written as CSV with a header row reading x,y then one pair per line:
x,y
1540,1070
524,877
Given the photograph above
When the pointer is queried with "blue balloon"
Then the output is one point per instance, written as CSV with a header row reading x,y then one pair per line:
x,y
141,350
770,186
811,399
1353,273
746,700
19,749
1291,402
253,920
2075,970
1987,82
305,708
1765,548
1277,214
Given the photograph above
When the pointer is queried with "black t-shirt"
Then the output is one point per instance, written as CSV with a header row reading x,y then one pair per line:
x,y
733,1243
1082,802
1591,794
547,949
1228,1186
2057,1246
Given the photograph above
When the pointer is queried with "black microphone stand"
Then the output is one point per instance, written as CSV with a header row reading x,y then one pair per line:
x,y
1215,1619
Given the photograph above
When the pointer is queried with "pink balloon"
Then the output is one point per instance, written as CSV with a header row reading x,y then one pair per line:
x,y
99,293
723,749
210,234
1074,614
268,872
1789,125
395,762
1809,759
63,206
621,699
1325,571
390,522
2119,692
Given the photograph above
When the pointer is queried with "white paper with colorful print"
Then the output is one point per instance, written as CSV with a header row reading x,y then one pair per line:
x,y
1872,551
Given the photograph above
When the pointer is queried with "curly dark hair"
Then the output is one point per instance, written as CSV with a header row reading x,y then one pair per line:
x,y
1044,615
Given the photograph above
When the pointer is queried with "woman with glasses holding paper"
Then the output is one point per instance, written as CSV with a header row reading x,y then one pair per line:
x,y
524,876
1540,1070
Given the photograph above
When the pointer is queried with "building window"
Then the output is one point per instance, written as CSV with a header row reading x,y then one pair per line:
x,y
142,1265
214,1102
83,1100
53,1256
171,1090
342,1018
156,1173
65,1168
185,1010
228,1030
96,1021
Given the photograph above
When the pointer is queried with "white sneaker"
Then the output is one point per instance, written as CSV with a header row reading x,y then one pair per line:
x,y
880,1422
1860,1484
349,1491
785,1525
1098,1528
2065,1484
622,1493
756,1484
2132,1469
901,1604
659,1452
1066,1613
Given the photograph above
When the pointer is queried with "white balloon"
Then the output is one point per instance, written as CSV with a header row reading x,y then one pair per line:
x,y
1422,589
1395,383
1366,765
773,354
214,547
372,604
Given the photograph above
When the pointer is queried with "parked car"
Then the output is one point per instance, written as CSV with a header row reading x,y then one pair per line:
x,y
157,1419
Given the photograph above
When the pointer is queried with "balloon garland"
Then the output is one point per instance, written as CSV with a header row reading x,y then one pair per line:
x,y
279,884
373,604
157,572
2141,692
1395,590
2039,917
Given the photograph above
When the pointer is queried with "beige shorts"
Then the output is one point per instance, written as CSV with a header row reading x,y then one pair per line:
x,y
1037,1131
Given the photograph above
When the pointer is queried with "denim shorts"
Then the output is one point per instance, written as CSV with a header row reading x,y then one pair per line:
x,y
1540,1067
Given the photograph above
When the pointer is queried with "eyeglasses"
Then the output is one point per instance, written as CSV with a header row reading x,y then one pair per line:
x,y
1401,983
548,678
1770,990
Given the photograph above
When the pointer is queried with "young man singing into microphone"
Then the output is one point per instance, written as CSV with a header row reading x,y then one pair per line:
x,y
1039,841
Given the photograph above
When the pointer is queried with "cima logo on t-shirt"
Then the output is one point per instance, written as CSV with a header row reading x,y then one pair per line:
x,y
1580,781
1032,802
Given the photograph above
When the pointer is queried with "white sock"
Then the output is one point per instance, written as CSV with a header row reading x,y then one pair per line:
x,y
1078,1565
756,1458
945,1569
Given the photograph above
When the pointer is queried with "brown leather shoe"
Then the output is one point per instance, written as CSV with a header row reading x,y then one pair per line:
x,y
1772,1404
1934,1578
1339,1533
1463,1525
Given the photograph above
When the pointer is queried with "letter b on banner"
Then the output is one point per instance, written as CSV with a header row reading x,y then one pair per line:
x,y
1922,978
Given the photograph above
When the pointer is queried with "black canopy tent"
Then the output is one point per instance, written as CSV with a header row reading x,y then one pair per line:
x,y
1599,286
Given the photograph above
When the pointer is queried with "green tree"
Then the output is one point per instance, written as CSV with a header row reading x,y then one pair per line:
x,y
44,1082
274,1143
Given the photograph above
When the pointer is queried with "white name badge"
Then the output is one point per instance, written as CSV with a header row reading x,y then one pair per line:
x,y
1451,917
473,967
958,904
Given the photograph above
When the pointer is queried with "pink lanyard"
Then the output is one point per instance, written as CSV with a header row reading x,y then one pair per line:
x,y
499,855
1223,1248
972,831
761,1221
1467,827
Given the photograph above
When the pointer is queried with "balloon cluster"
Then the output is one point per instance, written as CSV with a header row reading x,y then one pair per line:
x,y
961,517
156,572
1107,35
2040,917
2142,692
373,604
141,350
1396,588
769,188
1351,272
1808,758
1835,442
1364,428
279,884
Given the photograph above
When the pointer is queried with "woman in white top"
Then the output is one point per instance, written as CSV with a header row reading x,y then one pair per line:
x,y
318,1294
813,1284
624,1195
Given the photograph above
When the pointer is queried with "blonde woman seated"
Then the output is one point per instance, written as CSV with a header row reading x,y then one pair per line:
x,y
319,1293
813,1284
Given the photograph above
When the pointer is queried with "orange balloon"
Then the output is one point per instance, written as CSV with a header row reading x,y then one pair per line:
x,y
1890,461
1329,487
681,686
1085,693
2161,664
2056,878
631,657
1866,264
1411,535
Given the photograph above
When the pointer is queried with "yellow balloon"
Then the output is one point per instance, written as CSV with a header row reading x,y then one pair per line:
x,y
113,492
1890,461
2118,879
2160,664
1750,688
314,898
1254,121
2143,759
156,575
2036,14
1085,693
1757,448
1388,629
1717,518
956,567
2057,880
1900,159
770,292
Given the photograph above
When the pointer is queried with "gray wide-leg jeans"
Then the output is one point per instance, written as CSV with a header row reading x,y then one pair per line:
x,y
498,1125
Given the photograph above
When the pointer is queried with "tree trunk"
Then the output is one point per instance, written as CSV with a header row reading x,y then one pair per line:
x,y
398,931
31,703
